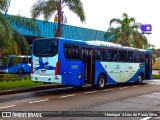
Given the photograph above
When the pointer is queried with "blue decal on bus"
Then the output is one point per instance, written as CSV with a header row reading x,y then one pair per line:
x,y
43,65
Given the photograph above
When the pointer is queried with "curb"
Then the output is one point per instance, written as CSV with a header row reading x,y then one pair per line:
x,y
29,89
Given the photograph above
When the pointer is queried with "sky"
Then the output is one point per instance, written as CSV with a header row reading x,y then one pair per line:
x,y
100,12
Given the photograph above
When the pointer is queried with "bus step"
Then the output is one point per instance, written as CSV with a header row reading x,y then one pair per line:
x,y
87,85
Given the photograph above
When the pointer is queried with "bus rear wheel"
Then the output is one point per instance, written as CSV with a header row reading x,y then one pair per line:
x,y
20,71
101,83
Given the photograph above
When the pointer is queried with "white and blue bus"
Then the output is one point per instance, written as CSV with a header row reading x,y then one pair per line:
x,y
15,64
79,63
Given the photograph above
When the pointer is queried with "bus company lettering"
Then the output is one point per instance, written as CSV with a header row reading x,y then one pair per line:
x,y
74,66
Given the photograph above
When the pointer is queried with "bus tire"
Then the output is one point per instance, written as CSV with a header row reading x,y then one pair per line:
x,y
140,78
101,82
20,71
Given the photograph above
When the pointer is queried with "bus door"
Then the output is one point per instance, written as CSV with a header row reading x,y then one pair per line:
x,y
89,64
148,66
72,66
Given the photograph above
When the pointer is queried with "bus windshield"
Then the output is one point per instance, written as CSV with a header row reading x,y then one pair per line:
x,y
45,48
3,62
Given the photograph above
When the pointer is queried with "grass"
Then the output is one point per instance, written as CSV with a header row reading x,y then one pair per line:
x,y
12,81
11,77
7,85
155,76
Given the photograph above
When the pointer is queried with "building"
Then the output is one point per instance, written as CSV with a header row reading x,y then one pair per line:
x,y
69,32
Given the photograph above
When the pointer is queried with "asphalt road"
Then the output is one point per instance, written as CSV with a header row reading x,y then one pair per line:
x,y
123,97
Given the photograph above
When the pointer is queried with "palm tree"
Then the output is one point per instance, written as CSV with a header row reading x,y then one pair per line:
x,y
12,42
153,59
4,5
126,33
49,7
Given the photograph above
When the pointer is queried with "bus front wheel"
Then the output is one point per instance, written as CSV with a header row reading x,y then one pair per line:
x,y
140,78
101,83
20,71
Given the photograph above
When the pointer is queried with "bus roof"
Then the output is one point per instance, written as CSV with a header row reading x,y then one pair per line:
x,y
96,43
111,45
59,38
102,43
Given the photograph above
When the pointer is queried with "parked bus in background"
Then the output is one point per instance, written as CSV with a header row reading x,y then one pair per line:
x,y
12,64
98,63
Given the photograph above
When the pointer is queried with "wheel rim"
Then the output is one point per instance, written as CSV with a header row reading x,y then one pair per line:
x,y
101,82
20,71
140,78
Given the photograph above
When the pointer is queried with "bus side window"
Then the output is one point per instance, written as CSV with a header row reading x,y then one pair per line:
x,y
115,56
136,56
142,57
103,54
71,51
98,54
11,62
130,56
111,55
82,54
67,51
75,52
122,55
24,60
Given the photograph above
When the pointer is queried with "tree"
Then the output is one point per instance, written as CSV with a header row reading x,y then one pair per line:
x,y
11,41
153,59
4,5
126,32
49,7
